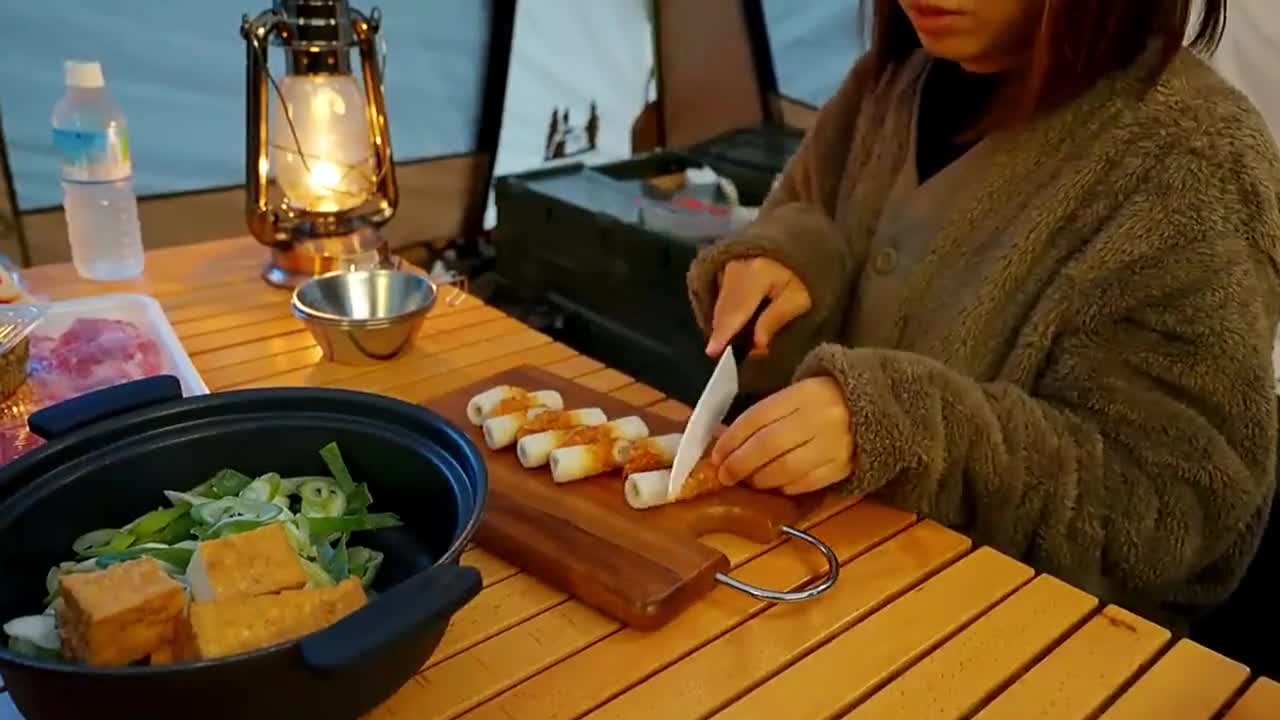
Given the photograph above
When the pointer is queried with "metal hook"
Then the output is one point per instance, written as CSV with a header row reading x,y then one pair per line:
x,y
779,596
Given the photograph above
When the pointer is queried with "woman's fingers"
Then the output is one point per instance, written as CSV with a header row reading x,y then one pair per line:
x,y
744,284
787,304
741,292
792,466
774,441
754,419
824,476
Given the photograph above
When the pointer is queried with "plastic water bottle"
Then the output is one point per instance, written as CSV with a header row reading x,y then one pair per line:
x,y
91,137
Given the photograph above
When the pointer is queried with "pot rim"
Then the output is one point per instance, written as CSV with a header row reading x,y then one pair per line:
x,y
451,555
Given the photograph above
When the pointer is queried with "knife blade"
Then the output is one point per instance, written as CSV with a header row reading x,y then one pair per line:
x,y
713,404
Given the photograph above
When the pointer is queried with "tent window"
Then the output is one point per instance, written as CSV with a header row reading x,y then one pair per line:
x,y
177,68
813,45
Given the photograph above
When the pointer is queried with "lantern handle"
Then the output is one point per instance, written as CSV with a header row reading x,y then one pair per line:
x,y
258,212
366,32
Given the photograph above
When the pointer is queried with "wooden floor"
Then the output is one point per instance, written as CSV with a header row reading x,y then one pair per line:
x,y
921,625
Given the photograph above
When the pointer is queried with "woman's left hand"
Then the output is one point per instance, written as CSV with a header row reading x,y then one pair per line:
x,y
797,440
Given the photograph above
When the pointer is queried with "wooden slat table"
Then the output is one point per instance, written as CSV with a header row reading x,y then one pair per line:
x,y
921,625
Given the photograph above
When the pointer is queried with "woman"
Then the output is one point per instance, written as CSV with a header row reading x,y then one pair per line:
x,y
1023,273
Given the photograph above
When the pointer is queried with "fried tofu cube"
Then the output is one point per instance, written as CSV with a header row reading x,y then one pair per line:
x,y
165,654
258,562
228,627
121,614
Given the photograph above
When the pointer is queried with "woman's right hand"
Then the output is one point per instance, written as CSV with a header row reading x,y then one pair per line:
x,y
744,284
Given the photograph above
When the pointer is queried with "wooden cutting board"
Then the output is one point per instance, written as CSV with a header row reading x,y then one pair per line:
x,y
641,567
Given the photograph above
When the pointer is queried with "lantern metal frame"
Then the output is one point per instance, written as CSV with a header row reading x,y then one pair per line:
x,y
317,36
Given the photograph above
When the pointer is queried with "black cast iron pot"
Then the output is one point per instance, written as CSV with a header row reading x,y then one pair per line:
x,y
112,453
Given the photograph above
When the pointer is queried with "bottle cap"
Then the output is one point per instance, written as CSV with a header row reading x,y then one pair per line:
x,y
83,74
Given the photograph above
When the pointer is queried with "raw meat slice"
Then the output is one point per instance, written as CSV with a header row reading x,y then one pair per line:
x,y
92,353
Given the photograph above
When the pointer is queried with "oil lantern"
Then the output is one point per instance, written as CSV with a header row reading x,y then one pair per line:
x,y
319,175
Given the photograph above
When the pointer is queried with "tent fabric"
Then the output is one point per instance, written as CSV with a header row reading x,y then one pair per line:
x,y
565,57
177,68
813,45
1250,53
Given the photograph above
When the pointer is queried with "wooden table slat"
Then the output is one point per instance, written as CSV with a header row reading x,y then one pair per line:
x,y
492,569
1080,677
852,666
570,628
1190,682
454,377
441,334
496,609
673,409
576,366
639,394
241,335
753,652
961,675
1260,702
606,380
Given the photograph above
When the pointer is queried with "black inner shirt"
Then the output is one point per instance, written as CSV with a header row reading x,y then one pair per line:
x,y
952,103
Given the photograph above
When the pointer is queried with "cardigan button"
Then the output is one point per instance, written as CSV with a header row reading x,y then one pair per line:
x,y
886,261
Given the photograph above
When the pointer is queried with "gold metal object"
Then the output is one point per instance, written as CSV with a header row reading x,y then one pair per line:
x,y
336,225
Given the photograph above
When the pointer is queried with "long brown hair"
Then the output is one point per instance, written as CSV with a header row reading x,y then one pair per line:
x,y
1078,42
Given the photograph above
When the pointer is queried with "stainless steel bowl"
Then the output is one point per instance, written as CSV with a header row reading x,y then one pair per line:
x,y
364,317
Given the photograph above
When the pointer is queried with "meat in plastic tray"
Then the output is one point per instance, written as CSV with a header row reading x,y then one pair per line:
x,y
85,345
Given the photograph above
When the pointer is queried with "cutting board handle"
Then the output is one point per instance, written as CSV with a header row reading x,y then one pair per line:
x,y
783,596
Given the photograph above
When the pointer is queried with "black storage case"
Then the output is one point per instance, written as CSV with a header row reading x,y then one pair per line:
x,y
570,236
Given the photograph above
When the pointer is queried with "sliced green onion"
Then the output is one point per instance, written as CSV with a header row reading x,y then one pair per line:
x,y
224,483
178,557
322,498
39,630
212,513
176,497
19,646
364,563
322,527
155,521
300,536
333,459
290,485
231,526
334,560
176,531
95,541
263,489
359,499
316,576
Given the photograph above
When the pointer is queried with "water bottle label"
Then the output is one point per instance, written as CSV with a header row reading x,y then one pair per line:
x,y
93,155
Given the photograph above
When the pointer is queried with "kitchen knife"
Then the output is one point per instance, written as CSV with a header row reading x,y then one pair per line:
x,y
713,404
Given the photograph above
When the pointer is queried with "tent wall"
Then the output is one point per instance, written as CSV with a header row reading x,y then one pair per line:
x,y
438,199
722,65
578,59
178,69
12,244
706,69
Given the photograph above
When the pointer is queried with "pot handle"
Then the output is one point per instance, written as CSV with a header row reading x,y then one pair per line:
x,y
429,597
70,415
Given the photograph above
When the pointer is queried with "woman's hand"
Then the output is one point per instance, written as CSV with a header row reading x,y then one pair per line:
x,y
744,284
797,440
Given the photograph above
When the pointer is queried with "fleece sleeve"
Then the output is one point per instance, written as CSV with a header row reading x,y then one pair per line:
x,y
796,228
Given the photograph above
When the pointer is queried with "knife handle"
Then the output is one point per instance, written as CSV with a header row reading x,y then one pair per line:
x,y
742,343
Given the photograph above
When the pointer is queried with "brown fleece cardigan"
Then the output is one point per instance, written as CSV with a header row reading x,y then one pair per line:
x,y
1098,399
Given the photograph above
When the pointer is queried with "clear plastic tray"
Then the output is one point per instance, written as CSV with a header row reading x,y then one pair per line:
x,y
84,345
17,322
